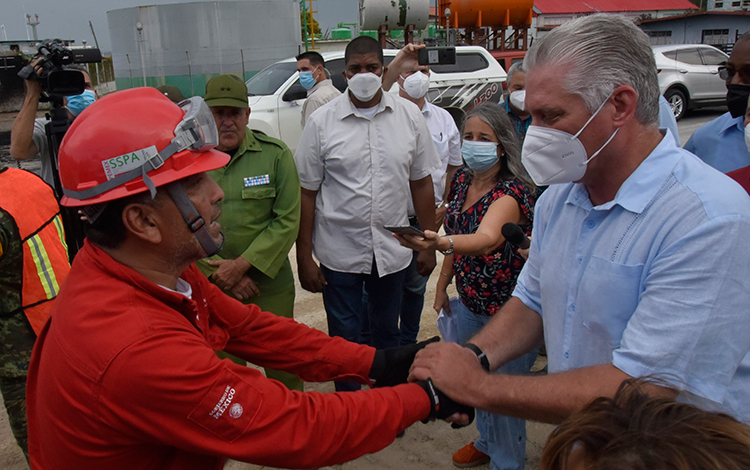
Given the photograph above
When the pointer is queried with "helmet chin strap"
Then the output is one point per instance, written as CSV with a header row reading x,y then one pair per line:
x,y
193,219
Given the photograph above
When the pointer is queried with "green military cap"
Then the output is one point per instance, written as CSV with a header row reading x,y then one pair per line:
x,y
226,90
171,92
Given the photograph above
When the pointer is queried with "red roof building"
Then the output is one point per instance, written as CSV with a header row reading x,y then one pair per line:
x,y
551,13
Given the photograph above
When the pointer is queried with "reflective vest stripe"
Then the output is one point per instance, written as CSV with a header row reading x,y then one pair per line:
x,y
43,266
60,231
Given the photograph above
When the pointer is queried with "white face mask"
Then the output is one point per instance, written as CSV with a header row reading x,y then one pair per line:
x,y
553,156
518,99
364,86
747,137
416,85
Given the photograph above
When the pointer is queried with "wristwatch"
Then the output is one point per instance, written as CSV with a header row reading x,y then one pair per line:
x,y
485,363
449,251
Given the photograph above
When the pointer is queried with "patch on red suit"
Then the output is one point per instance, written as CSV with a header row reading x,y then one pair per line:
x,y
229,407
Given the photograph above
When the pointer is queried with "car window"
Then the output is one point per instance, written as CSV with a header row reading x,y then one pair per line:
x,y
689,56
464,63
670,54
336,68
713,57
268,80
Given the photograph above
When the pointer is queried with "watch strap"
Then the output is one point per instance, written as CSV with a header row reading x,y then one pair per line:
x,y
449,251
485,363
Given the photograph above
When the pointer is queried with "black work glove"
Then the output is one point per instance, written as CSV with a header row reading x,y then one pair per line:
x,y
391,365
441,406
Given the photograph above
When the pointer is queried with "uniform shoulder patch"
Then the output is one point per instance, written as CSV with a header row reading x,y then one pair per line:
x,y
229,407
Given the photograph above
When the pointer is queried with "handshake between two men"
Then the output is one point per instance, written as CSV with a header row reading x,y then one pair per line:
x,y
394,366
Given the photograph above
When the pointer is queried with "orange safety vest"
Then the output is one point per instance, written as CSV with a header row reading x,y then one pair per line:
x,y
32,204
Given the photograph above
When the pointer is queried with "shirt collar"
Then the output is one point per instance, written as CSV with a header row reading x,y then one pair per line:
x,y
347,108
738,122
642,185
249,143
426,110
318,86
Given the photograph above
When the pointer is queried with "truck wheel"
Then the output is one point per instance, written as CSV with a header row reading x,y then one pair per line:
x,y
677,102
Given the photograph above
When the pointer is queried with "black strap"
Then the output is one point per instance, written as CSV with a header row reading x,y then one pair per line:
x,y
480,355
193,219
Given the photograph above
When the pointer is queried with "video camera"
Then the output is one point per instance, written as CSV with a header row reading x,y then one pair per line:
x,y
56,79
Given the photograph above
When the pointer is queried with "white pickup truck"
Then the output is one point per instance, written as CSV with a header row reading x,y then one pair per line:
x,y
276,96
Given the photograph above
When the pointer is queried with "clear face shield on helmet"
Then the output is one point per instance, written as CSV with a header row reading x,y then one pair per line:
x,y
197,130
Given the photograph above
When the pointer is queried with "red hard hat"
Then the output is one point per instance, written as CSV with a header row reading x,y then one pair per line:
x,y
110,137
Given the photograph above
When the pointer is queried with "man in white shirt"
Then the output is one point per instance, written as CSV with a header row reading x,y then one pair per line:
x,y
413,82
359,159
312,77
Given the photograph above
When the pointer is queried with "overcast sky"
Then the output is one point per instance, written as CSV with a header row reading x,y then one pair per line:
x,y
69,19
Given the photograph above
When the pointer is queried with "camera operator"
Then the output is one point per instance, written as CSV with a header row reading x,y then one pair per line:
x,y
28,137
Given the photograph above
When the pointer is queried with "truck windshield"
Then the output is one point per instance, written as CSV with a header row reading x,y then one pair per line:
x,y
268,80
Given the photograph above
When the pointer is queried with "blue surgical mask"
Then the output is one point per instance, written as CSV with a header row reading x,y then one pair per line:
x,y
307,80
78,103
479,156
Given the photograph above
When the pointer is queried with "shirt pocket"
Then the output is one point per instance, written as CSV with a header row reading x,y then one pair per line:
x,y
259,192
608,297
441,143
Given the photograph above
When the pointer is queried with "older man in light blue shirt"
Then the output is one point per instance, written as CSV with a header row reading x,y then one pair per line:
x,y
650,281
640,260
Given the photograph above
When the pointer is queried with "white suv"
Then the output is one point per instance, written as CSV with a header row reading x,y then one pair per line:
x,y
276,96
689,76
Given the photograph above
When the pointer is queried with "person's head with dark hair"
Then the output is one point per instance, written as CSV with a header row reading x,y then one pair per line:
x,y
736,74
635,431
311,68
363,71
488,122
363,45
314,58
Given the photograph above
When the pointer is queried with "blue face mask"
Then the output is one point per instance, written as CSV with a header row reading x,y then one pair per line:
x,y
307,80
479,156
78,103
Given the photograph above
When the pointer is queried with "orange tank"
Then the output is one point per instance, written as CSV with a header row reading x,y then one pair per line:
x,y
483,13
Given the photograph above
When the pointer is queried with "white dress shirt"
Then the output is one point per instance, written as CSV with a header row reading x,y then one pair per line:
x,y
448,144
361,169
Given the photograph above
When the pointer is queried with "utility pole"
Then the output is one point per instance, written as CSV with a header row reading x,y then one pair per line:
x,y
139,27
33,24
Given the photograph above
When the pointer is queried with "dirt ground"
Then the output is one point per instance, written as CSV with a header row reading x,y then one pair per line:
x,y
423,447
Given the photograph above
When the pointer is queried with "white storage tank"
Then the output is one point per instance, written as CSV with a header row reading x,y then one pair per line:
x,y
185,44
396,14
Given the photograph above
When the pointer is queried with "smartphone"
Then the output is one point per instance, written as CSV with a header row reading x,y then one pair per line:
x,y
405,230
436,55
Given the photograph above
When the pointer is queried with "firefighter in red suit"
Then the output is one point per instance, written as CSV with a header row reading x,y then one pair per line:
x,y
124,374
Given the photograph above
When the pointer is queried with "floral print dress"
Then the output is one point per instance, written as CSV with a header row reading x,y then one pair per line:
x,y
486,282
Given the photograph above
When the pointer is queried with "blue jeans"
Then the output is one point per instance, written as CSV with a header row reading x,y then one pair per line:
x,y
501,437
345,309
412,302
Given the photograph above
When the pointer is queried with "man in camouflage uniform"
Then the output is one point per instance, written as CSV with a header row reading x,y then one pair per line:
x,y
16,334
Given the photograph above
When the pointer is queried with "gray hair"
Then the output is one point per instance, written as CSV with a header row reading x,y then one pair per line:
x,y
516,67
603,51
498,120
